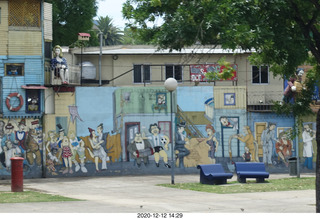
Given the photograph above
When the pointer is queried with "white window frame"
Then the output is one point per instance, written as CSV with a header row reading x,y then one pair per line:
x,y
258,83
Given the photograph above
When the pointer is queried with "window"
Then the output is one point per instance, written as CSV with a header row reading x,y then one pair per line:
x,y
14,69
260,74
174,71
24,13
33,101
141,73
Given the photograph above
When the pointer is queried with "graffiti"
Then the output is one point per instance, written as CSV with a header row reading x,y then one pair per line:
x,y
284,147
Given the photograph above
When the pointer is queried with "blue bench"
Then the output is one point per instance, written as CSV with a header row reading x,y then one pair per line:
x,y
213,174
250,170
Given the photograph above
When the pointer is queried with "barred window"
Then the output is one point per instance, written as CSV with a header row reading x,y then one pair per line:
x,y
24,13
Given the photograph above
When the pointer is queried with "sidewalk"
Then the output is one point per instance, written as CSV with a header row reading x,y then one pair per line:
x,y
133,194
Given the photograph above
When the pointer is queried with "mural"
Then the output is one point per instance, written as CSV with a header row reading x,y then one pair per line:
x,y
107,131
21,139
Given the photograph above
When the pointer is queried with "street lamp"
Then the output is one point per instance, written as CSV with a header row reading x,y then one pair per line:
x,y
171,85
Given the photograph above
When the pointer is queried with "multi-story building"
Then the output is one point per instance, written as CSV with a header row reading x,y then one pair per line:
x,y
25,33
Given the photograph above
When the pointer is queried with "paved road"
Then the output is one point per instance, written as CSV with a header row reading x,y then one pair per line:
x,y
133,194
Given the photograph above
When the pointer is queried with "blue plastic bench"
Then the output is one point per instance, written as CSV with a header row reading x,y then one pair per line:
x,y
250,170
213,174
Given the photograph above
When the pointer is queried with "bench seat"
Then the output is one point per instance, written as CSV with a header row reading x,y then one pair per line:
x,y
246,170
213,174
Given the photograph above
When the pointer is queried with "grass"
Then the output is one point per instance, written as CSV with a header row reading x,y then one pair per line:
x,y
31,196
272,185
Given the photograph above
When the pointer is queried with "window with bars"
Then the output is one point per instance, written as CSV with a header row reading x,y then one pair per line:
x,y
260,74
174,71
141,74
24,13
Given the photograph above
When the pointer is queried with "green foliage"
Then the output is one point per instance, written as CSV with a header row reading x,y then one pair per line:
x,y
111,34
272,185
71,17
226,71
31,196
284,33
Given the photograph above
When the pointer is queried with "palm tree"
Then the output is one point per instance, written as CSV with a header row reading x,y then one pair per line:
x,y
111,34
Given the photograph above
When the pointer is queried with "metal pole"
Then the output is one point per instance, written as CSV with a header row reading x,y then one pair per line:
x,y
172,144
297,148
100,35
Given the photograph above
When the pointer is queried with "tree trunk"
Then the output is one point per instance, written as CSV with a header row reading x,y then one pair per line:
x,y
317,165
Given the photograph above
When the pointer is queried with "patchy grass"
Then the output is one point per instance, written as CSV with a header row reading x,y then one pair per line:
x,y
272,185
31,196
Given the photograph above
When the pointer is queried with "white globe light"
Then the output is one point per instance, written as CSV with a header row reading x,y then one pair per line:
x,y
294,88
171,84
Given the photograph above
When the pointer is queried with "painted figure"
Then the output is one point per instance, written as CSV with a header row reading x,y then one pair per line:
x,y
248,139
284,147
181,141
246,155
307,136
294,86
10,151
53,151
140,149
59,66
102,137
212,142
33,149
267,139
98,151
21,136
67,153
159,142
78,148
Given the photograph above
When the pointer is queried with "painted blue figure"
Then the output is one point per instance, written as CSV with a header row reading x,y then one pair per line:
x,y
267,138
181,140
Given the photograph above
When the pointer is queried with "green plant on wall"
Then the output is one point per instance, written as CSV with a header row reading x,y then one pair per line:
x,y
225,73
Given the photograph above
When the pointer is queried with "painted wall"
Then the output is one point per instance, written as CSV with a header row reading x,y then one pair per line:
x,y
127,131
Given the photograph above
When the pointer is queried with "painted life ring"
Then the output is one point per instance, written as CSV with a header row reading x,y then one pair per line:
x,y
17,95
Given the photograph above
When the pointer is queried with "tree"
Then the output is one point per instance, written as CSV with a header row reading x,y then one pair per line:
x,y
130,37
71,17
284,34
111,34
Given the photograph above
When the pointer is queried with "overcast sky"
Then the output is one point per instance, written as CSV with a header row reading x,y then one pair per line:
x,y
113,9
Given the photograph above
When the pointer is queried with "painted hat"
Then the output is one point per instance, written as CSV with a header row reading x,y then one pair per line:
x,y
9,126
60,128
91,130
100,125
22,122
182,124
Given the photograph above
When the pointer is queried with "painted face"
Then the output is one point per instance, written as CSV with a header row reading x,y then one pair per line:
x,y
99,129
72,135
22,127
306,127
57,51
138,138
272,127
154,130
180,129
224,121
209,132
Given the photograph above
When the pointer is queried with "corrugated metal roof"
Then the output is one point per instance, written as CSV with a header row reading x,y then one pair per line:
x,y
136,51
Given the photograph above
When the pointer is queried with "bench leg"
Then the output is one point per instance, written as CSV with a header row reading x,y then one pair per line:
x,y
260,180
242,180
220,181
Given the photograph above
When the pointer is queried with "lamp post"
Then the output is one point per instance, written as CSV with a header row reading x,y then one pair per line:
x,y
171,85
